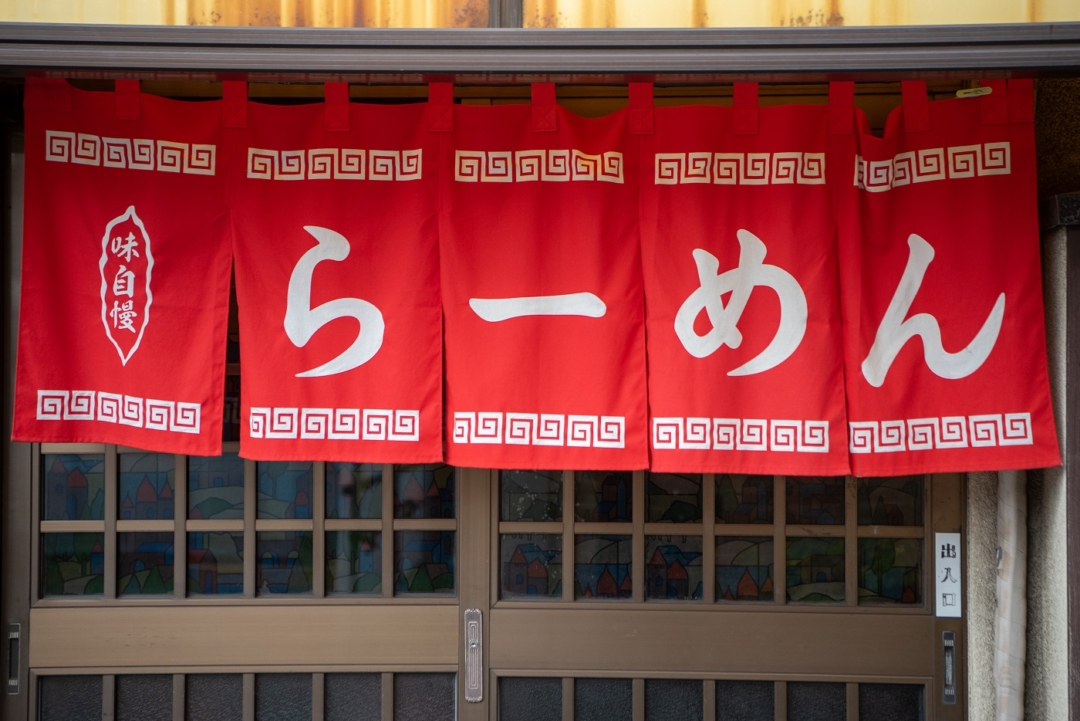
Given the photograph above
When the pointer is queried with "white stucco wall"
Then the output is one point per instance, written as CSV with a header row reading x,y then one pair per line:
x,y
981,601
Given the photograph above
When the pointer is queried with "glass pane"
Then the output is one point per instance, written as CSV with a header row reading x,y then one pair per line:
x,y
230,426
73,564
531,495
70,698
891,501
353,490
672,497
146,485
214,697
144,698
285,489
815,501
603,496
890,570
744,568
215,563
424,491
282,696
353,697
216,487
353,562
891,702
744,499
284,562
745,701
74,487
673,567
602,567
424,696
815,569
424,562
530,699
673,699
603,699
816,701
145,563
531,565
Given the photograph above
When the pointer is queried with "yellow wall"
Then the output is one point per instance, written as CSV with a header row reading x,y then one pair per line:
x,y
541,13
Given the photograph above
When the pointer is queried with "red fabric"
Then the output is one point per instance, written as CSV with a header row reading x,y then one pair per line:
x,y
343,208
731,201
115,348
537,211
947,201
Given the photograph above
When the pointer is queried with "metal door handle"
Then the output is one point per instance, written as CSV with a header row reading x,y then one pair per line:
x,y
474,655
14,637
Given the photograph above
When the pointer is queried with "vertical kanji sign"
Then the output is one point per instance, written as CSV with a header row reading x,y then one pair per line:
x,y
945,343
125,277
545,347
337,279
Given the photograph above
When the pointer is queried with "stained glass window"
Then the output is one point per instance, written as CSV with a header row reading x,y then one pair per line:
x,y
73,564
602,567
425,491
673,567
604,496
285,489
215,563
145,563
890,570
673,498
146,486
891,501
216,487
531,495
531,565
815,501
353,562
815,570
283,564
74,486
744,499
424,562
353,490
744,568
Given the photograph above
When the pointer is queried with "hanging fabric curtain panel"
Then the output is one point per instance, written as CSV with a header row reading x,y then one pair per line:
x,y
687,289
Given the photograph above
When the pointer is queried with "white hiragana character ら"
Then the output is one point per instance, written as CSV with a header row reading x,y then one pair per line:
x,y
124,282
125,248
123,317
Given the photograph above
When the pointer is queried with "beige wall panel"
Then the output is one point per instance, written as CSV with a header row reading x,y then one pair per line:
x,y
147,636
712,642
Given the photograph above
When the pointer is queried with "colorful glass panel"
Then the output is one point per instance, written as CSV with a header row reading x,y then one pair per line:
x,y
673,567
284,562
215,487
424,562
604,496
813,501
74,487
673,498
285,489
890,570
146,486
602,567
532,565
353,562
744,568
215,563
891,501
73,564
531,495
354,490
815,570
425,491
744,499
145,563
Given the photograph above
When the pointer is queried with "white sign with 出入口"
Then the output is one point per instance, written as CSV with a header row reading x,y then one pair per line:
x,y
947,584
